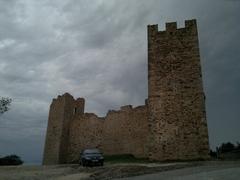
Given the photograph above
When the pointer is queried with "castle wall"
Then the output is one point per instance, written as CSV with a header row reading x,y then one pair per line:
x,y
54,132
125,131
61,113
85,132
120,132
177,119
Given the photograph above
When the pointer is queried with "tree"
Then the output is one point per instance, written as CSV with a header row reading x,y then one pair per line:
x,y
238,146
5,102
227,147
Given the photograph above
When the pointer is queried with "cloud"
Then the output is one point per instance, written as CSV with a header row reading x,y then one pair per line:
x,y
98,50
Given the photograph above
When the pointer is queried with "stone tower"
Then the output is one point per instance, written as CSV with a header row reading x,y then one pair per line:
x,y
61,113
177,117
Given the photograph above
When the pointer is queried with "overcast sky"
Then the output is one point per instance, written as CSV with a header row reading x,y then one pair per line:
x,y
98,50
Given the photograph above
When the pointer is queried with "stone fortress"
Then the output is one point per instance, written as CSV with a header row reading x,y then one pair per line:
x,y
170,126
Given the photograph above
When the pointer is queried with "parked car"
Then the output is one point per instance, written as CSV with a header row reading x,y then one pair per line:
x,y
90,157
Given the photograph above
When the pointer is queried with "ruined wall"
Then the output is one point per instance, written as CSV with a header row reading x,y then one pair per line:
x,y
85,132
125,131
177,118
54,132
62,111
120,132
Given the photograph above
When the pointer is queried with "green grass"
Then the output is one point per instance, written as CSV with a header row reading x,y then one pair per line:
x,y
124,158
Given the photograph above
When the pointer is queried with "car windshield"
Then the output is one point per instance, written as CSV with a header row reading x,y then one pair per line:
x,y
91,151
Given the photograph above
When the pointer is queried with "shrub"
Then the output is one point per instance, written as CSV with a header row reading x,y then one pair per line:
x,y
226,147
10,160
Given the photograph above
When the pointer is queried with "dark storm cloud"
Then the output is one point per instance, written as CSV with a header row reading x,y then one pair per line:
x,y
221,71
98,50
105,22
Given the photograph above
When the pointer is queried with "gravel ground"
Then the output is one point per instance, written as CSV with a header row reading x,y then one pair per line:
x,y
109,171
212,171
41,172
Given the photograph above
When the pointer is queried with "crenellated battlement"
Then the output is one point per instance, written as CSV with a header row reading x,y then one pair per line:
x,y
171,27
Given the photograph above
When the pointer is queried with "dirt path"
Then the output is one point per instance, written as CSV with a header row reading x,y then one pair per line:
x,y
109,171
128,170
41,172
211,171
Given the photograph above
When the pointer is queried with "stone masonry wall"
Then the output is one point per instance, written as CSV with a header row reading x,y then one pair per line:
x,y
177,118
62,111
120,132
125,131
85,132
54,131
